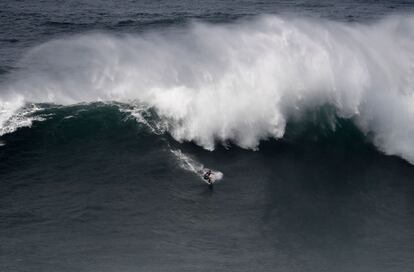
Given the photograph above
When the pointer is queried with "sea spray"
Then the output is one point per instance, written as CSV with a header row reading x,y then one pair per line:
x,y
236,82
19,117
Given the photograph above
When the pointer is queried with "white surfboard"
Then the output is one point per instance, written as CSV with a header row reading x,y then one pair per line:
x,y
192,165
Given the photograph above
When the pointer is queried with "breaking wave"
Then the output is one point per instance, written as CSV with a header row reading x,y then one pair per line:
x,y
237,83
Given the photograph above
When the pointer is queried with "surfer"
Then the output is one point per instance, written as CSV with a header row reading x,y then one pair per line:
x,y
208,176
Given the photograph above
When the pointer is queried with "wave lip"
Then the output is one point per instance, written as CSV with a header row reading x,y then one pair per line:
x,y
237,82
15,119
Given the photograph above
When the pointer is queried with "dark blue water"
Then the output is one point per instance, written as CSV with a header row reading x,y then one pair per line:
x,y
88,188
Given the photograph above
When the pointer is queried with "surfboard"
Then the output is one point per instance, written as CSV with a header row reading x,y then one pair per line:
x,y
214,176
194,166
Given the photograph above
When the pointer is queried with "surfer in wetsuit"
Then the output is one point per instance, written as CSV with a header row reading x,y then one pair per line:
x,y
208,176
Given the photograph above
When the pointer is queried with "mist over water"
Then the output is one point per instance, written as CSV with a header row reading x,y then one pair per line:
x,y
237,82
111,112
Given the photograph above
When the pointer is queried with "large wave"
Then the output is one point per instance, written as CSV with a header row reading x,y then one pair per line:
x,y
236,82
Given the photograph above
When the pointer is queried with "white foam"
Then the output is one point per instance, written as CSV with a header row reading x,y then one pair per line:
x,y
15,118
239,82
138,112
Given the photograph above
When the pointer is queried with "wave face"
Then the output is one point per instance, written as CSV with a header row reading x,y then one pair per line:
x,y
238,82
102,184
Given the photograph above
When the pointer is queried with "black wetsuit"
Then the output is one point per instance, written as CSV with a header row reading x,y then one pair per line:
x,y
207,177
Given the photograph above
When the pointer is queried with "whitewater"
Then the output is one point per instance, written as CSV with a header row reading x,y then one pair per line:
x,y
236,83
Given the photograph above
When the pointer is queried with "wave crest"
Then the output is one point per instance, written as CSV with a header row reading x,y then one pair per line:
x,y
238,82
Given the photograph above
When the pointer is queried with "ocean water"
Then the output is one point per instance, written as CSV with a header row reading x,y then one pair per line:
x,y
111,111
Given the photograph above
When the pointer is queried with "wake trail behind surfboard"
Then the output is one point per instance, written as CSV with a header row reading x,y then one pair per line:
x,y
194,166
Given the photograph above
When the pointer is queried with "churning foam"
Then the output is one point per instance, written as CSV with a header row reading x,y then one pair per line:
x,y
238,82
13,118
